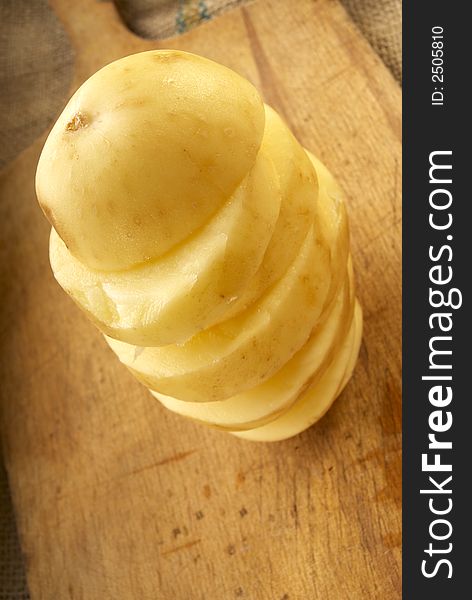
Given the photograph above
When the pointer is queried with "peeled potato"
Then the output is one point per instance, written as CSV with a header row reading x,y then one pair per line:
x,y
144,153
204,241
244,351
265,402
314,402
206,280
298,183
353,356
172,298
333,221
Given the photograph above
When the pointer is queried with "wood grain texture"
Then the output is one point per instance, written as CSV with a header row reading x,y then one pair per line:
x,y
117,498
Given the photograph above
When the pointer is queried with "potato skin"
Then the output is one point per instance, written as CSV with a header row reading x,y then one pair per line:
x,y
246,350
207,245
144,153
219,271
172,298
314,402
264,403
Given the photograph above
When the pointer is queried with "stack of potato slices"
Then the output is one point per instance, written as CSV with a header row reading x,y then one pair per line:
x,y
206,244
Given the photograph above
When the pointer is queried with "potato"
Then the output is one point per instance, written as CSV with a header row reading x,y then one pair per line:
x,y
353,356
206,280
144,153
246,350
299,187
314,402
332,221
265,402
170,299
208,246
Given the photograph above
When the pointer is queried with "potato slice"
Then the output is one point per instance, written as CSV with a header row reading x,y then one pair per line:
x,y
172,298
265,402
354,353
298,184
204,241
333,220
244,351
144,153
314,402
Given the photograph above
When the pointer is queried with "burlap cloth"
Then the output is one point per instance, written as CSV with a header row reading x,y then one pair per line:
x,y
35,63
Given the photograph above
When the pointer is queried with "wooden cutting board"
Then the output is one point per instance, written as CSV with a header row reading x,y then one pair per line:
x,y
117,498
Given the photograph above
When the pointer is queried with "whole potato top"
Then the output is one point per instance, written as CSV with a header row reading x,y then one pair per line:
x,y
144,153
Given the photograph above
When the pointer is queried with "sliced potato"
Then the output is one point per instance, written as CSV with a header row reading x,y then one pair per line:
x,y
244,351
204,241
144,153
265,402
298,184
333,222
314,402
354,352
172,298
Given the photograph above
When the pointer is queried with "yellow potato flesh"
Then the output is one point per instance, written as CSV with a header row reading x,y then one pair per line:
x,y
172,298
144,153
315,401
205,280
266,401
204,241
246,350
353,356
298,185
333,222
